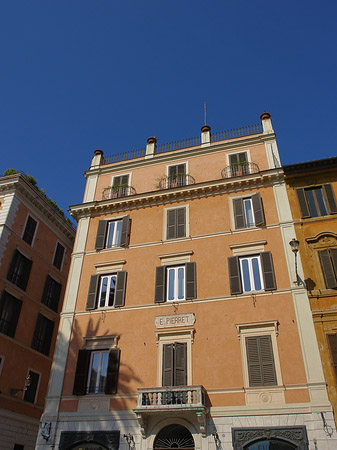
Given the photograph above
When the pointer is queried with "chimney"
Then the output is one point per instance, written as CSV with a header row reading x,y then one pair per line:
x,y
205,136
266,123
151,147
97,159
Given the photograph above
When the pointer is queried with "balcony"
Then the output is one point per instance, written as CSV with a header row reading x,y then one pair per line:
x,y
117,191
171,399
173,181
239,169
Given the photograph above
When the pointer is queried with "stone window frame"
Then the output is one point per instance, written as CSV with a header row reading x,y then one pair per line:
x,y
321,241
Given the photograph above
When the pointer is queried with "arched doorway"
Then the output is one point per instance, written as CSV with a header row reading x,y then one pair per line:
x,y
174,436
270,444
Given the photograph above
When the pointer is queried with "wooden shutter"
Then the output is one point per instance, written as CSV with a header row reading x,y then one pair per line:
x,y
120,289
180,364
168,361
260,358
81,375
302,201
181,222
328,260
10,308
113,369
43,334
171,224
46,290
160,294
92,294
101,232
27,263
234,275
330,198
258,210
125,231
268,271
190,280
56,295
239,215
332,340
12,266
51,293
29,230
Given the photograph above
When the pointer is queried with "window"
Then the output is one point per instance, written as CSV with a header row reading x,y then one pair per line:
x,y
174,364
260,359
97,372
332,340
120,186
248,212
251,273
10,308
328,260
43,334
175,283
19,270
58,257
18,447
175,223
107,290
114,233
30,393
176,175
51,293
2,358
29,232
238,164
317,201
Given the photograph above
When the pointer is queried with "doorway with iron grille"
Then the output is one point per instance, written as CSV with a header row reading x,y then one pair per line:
x,y
174,436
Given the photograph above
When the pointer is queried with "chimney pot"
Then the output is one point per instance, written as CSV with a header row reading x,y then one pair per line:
x,y
265,115
98,151
205,128
152,140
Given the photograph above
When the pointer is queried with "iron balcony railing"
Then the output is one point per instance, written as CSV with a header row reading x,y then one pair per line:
x,y
173,181
119,157
237,170
177,145
171,397
117,192
236,132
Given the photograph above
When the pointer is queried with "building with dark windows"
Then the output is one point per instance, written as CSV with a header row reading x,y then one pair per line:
x,y
184,325
312,191
35,247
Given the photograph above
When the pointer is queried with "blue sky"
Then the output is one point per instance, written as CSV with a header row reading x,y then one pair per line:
x,y
78,75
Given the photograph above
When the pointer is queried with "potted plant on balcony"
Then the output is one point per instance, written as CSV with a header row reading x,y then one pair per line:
x,y
118,190
240,168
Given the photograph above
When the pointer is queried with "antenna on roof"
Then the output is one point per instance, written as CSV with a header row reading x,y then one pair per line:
x,y
205,113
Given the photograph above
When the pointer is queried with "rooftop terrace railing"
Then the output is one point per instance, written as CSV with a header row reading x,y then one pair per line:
x,y
236,132
124,156
177,145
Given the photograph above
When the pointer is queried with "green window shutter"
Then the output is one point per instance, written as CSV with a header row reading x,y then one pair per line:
x,y
258,210
125,231
330,198
113,369
92,294
190,280
268,271
260,359
327,259
234,275
302,201
160,294
81,375
181,222
239,215
171,224
168,361
101,232
180,360
120,289
332,340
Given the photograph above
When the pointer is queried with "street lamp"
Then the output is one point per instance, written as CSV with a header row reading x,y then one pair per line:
x,y
294,245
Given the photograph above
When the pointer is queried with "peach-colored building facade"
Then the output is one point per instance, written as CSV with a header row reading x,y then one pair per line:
x,y
312,191
35,248
183,325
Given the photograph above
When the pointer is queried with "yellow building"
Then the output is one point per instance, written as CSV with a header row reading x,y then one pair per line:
x,y
35,247
312,188
183,325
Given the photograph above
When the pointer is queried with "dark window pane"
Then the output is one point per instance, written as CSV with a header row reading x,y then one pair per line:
x,y
30,393
320,201
311,201
9,313
29,230
58,258
43,334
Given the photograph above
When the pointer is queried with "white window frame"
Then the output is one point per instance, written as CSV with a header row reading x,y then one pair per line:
x,y
170,337
187,222
114,243
101,353
109,276
247,151
175,269
63,257
249,258
35,231
129,174
177,164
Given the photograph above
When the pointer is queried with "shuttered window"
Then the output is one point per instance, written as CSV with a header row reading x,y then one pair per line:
x,y
238,164
332,340
10,308
260,359
175,364
251,273
58,257
19,270
29,231
248,212
97,372
176,223
43,334
177,175
175,283
317,201
107,290
328,260
114,233
51,293
121,185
